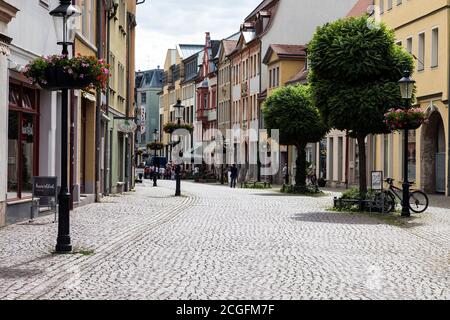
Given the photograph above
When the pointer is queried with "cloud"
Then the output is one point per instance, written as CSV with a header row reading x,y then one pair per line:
x,y
164,23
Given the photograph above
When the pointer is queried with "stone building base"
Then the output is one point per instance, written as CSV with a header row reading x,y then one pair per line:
x,y
2,214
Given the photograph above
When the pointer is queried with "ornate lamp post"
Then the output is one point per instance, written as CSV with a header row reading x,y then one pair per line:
x,y
61,18
178,114
155,174
406,89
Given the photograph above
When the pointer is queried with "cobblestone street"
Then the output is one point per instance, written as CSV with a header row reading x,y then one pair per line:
x,y
219,243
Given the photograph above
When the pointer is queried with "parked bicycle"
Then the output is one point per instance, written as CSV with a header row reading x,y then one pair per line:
x,y
418,200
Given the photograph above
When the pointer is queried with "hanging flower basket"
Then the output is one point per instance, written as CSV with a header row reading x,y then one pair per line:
x,y
171,127
398,119
61,72
155,146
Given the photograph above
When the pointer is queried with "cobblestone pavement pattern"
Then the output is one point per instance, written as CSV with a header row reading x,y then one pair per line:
x,y
218,243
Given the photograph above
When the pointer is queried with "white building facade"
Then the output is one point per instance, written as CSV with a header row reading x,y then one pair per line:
x,y
32,131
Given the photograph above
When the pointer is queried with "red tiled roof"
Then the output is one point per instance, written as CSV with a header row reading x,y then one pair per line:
x,y
300,77
289,50
229,46
285,51
360,8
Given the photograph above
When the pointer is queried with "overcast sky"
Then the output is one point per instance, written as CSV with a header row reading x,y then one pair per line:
x,y
164,23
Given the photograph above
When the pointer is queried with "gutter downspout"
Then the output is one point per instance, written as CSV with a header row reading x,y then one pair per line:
x,y
108,147
131,21
258,110
98,122
72,166
448,108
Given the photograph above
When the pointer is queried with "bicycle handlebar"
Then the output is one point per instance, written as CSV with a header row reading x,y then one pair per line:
x,y
391,181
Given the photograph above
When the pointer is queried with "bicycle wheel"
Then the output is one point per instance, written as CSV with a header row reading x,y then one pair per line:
x,y
387,200
418,201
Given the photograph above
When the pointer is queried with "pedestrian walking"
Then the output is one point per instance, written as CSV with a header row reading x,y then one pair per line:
x,y
286,174
233,176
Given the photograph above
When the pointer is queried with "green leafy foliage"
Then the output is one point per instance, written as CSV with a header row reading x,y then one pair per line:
x,y
355,67
170,127
291,111
355,70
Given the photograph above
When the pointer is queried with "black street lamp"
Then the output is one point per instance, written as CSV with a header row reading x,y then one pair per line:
x,y
155,160
406,89
224,155
61,18
178,114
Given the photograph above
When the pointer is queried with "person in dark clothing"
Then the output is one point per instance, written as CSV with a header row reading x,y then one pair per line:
x,y
233,176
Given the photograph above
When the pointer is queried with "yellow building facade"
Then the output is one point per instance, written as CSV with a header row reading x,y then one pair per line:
x,y
285,63
422,28
175,87
84,101
120,143
171,91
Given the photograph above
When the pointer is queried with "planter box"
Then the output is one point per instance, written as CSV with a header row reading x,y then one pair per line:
x,y
57,79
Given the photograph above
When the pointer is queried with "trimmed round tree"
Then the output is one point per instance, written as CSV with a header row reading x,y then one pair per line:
x,y
290,110
355,67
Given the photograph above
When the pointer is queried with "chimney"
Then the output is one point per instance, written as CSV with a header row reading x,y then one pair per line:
x,y
208,40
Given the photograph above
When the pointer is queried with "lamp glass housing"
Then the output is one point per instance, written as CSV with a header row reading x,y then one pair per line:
x,y
178,110
66,23
406,87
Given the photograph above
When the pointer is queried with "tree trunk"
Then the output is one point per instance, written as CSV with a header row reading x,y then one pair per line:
x,y
300,175
362,166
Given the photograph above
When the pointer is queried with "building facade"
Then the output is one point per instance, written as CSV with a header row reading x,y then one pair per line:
x,y
271,19
245,90
33,146
174,83
206,92
117,138
83,113
7,13
227,46
422,28
284,62
148,86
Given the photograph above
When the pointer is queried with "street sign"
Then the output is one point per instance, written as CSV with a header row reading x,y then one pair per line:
x,y
143,120
377,180
127,126
44,187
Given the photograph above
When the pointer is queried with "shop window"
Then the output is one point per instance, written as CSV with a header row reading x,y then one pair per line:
x,y
22,151
13,155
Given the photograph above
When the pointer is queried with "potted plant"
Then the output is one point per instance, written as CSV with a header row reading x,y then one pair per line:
x,y
155,146
170,127
58,72
397,119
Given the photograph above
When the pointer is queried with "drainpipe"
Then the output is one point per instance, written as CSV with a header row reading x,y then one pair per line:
x,y
448,112
347,154
259,111
108,147
129,167
72,141
98,112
